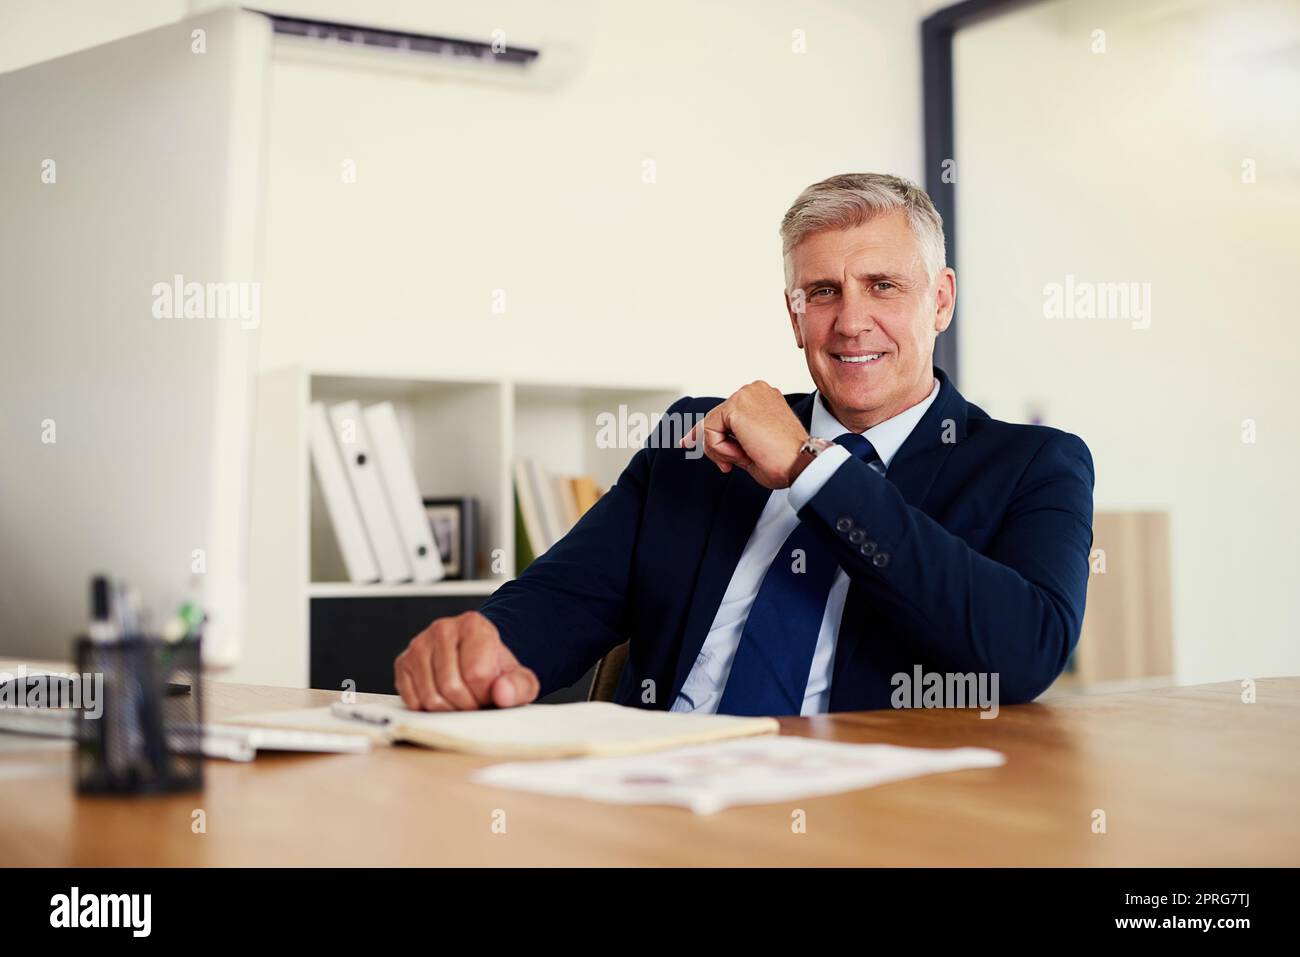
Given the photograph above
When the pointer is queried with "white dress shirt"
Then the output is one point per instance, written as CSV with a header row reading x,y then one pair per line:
x,y
703,687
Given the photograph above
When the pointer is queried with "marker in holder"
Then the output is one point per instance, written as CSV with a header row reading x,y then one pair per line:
x,y
144,740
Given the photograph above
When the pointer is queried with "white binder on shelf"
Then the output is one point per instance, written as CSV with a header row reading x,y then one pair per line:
x,y
403,492
543,493
337,489
376,512
529,510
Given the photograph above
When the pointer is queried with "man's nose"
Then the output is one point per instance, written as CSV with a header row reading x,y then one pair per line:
x,y
855,314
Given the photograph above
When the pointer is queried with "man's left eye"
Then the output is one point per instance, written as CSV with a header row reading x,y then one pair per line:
x,y
886,285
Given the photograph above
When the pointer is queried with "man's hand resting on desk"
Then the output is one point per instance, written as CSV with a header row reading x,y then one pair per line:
x,y
461,664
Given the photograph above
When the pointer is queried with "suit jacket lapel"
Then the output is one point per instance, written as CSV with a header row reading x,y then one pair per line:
x,y
742,502
917,463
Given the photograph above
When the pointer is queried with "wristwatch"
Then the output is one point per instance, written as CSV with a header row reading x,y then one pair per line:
x,y
814,446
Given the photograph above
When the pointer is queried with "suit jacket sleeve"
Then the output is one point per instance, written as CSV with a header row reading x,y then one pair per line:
x,y
566,610
1014,609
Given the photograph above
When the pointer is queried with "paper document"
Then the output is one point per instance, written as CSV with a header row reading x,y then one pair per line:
x,y
708,778
533,731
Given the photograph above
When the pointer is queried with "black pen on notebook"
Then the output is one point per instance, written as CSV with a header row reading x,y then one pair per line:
x,y
353,712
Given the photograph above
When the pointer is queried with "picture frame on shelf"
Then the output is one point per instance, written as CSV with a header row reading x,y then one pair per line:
x,y
454,523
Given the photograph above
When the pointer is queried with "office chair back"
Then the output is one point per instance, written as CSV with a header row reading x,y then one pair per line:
x,y
608,670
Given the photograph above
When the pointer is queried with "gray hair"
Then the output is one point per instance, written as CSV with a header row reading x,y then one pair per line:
x,y
852,199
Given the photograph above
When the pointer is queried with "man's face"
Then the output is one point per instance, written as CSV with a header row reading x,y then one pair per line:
x,y
870,317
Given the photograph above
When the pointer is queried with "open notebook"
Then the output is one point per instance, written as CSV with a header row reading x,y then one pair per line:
x,y
533,731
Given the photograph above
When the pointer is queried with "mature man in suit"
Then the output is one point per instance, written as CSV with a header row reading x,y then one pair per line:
x,y
826,543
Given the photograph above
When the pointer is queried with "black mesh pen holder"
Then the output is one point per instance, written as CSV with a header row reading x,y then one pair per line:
x,y
138,738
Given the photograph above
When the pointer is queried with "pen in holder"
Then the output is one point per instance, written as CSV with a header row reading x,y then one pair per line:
x,y
142,740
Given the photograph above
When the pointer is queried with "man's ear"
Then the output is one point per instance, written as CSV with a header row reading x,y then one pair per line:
x,y
945,298
794,321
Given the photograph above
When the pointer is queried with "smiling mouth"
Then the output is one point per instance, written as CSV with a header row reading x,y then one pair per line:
x,y
862,358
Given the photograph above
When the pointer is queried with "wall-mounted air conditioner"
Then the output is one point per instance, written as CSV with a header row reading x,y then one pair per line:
x,y
538,45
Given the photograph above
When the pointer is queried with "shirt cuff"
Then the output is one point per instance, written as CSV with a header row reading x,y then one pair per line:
x,y
815,475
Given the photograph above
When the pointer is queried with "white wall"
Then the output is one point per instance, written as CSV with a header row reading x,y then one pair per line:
x,y
32,31
465,189
1126,166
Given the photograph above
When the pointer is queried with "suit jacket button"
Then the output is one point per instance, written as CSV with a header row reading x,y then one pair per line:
x,y
881,559
844,524
868,548
856,536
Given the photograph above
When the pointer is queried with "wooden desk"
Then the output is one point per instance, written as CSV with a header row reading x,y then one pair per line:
x,y
1186,776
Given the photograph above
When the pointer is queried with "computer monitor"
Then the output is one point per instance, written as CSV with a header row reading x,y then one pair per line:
x,y
130,312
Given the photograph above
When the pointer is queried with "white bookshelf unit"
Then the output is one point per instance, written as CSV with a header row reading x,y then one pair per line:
x,y
307,625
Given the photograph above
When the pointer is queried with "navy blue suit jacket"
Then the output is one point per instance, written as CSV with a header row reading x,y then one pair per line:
x,y
970,555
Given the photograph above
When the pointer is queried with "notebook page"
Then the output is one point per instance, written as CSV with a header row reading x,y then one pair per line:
x,y
589,727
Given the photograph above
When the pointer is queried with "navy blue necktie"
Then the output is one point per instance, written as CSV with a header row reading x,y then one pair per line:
x,y
770,672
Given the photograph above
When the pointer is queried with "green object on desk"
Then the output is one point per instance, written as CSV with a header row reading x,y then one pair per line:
x,y
186,623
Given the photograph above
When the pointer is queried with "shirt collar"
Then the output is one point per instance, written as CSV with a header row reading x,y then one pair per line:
x,y
886,438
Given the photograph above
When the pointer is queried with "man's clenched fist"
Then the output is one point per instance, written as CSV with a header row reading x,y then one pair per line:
x,y
461,664
754,430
